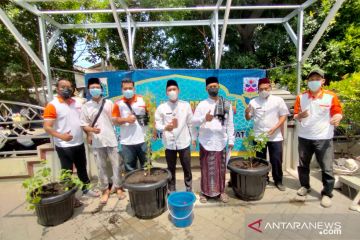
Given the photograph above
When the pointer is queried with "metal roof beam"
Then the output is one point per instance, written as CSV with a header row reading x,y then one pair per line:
x,y
322,29
296,11
223,32
21,40
121,34
53,40
291,33
199,9
188,23
28,7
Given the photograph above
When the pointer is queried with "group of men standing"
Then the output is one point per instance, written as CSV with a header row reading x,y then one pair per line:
x,y
211,123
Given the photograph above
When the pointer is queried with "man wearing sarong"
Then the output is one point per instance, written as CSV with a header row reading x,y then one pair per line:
x,y
214,117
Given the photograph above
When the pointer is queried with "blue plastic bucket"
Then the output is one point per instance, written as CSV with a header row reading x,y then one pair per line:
x,y
181,205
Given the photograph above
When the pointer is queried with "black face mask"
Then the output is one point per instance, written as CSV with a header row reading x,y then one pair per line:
x,y
66,93
213,92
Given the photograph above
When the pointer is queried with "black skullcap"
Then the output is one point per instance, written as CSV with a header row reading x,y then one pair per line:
x,y
171,82
210,80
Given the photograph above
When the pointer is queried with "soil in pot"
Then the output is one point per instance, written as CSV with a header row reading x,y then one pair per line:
x,y
139,177
247,164
51,190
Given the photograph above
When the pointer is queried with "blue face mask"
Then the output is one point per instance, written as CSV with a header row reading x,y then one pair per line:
x,y
314,85
128,93
95,92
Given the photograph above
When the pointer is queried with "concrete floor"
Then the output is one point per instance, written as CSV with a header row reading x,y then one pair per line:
x,y
213,220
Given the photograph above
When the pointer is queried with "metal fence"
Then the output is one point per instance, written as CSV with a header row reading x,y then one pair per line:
x,y
19,123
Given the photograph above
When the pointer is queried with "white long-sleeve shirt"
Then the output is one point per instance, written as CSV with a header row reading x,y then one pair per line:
x,y
213,136
180,137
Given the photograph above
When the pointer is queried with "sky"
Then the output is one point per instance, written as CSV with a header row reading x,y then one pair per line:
x,y
81,54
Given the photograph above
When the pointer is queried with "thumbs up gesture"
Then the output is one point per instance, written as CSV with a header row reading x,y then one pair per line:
x,y
209,117
67,137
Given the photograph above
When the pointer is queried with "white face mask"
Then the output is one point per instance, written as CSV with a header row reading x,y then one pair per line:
x,y
264,94
172,95
314,86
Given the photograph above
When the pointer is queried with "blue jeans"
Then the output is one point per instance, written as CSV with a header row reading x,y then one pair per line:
x,y
131,153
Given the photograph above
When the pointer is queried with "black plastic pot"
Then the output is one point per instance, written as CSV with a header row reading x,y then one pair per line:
x,y
148,200
55,210
248,184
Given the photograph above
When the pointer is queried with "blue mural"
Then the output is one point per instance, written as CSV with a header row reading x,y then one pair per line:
x,y
238,86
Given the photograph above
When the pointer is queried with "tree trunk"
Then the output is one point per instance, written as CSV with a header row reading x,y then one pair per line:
x,y
31,74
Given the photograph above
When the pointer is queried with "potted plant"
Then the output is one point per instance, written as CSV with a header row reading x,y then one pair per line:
x,y
248,174
148,187
53,201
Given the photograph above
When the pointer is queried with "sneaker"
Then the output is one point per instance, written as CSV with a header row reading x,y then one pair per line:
x,y
91,193
303,191
280,186
325,201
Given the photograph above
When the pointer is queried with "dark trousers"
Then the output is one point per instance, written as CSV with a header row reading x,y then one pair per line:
x,y
324,154
131,153
275,154
185,160
74,155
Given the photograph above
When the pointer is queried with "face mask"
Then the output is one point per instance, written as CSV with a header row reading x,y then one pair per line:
x,y
264,94
314,85
66,93
172,95
95,92
128,94
213,92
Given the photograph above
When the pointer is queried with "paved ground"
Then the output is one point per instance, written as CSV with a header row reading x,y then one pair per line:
x,y
213,220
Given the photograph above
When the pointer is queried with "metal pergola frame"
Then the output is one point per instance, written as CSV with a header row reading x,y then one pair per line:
x,y
130,25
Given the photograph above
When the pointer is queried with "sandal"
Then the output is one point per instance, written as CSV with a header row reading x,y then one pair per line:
x,y
120,193
203,198
77,203
224,197
105,196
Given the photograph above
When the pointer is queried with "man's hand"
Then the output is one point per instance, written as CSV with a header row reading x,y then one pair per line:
x,y
248,109
131,118
209,117
335,120
169,127
193,143
271,132
89,139
302,115
95,130
231,146
66,137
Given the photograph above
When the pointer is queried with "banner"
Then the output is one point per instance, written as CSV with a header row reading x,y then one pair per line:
x,y
237,86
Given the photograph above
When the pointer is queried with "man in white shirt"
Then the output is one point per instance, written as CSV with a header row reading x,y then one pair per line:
x,y
214,117
62,121
131,114
96,120
173,118
269,113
